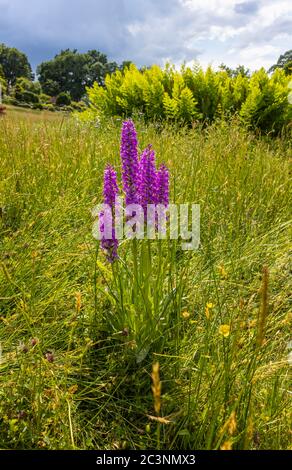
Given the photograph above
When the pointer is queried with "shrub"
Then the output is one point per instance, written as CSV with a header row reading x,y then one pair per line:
x,y
27,96
26,91
3,84
78,105
63,99
22,104
191,95
23,84
9,100
49,107
45,99
37,106
267,107
68,109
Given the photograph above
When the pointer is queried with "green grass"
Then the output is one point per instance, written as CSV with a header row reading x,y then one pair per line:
x,y
81,384
32,114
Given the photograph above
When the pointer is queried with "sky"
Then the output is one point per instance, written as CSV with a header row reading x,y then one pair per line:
x,y
253,32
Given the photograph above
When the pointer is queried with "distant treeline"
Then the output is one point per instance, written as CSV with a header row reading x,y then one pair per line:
x,y
58,82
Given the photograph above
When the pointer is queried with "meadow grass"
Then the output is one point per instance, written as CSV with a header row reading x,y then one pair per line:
x,y
70,377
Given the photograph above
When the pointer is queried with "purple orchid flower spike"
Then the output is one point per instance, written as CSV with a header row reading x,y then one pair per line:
x,y
162,184
130,162
147,179
109,242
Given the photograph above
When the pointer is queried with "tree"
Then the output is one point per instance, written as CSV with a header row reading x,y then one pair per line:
x,y
14,64
284,62
71,71
51,88
98,67
240,70
125,65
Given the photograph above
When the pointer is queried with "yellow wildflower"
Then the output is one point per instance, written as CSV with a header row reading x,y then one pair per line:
x,y
224,330
222,271
73,389
227,445
208,307
185,315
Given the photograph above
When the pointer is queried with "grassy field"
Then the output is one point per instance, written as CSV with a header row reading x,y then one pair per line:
x,y
69,378
32,114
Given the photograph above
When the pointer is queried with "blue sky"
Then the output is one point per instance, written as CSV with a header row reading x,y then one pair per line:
x,y
252,32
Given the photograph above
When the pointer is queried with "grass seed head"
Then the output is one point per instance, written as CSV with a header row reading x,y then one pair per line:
x,y
156,387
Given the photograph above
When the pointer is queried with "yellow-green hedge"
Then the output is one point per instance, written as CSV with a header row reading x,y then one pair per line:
x,y
191,95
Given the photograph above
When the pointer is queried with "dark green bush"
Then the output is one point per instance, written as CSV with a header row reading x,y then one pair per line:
x,y
27,96
37,106
23,84
63,99
50,87
3,84
27,91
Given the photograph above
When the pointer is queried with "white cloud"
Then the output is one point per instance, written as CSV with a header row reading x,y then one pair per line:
x,y
261,51
259,56
135,28
252,32
223,8
223,33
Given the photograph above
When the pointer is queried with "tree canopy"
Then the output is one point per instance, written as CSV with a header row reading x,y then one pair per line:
x,y
284,62
14,64
240,70
71,71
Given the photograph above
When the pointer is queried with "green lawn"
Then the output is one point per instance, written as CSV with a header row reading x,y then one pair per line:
x,y
69,378
18,112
